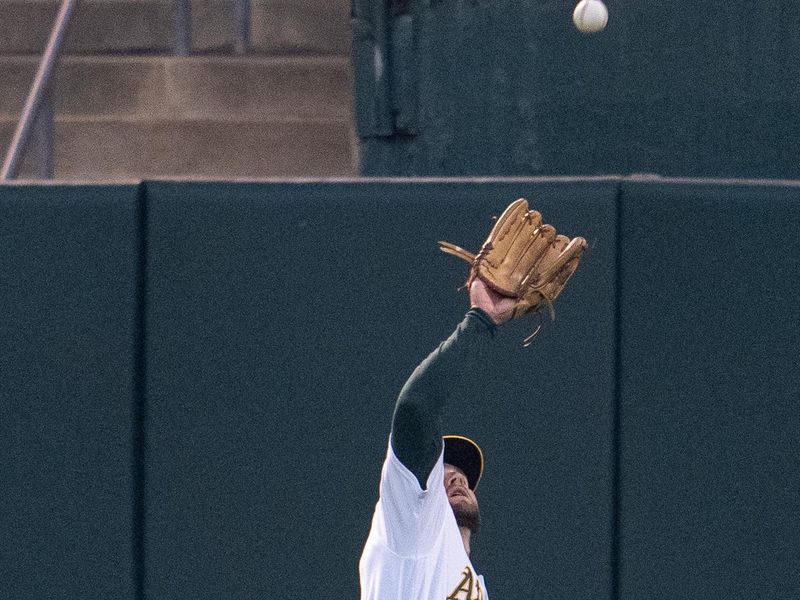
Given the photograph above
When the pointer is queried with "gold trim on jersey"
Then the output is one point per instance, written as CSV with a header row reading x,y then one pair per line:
x,y
469,588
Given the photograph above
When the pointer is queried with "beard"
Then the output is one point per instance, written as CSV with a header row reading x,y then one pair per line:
x,y
467,515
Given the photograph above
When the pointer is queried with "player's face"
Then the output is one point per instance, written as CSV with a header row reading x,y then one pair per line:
x,y
462,499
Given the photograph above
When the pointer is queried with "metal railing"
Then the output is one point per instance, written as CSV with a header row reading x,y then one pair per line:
x,y
37,117
38,109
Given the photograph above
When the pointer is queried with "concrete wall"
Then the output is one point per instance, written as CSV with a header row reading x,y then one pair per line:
x,y
127,108
199,377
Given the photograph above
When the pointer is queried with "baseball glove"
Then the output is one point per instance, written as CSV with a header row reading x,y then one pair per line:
x,y
524,259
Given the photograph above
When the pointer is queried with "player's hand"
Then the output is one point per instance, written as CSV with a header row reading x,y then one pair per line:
x,y
499,308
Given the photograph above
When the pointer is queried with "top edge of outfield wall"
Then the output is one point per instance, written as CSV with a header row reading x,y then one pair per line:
x,y
634,178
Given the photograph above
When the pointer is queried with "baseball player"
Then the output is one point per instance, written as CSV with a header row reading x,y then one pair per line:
x,y
419,544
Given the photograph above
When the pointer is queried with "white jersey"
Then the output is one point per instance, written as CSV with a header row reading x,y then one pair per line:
x,y
414,550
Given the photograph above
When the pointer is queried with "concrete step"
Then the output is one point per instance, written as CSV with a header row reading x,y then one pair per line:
x,y
119,149
247,87
132,26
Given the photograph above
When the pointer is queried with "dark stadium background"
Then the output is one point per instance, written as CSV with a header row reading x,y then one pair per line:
x,y
198,372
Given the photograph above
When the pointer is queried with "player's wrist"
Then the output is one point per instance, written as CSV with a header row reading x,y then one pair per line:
x,y
499,308
484,318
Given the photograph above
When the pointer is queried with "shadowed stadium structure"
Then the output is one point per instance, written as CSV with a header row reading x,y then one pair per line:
x,y
200,358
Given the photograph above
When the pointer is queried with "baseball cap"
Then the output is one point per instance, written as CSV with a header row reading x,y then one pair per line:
x,y
462,452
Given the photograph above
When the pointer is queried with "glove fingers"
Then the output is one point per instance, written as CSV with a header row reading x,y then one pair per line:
x,y
505,246
530,255
553,289
560,257
510,223
457,251
515,221
543,282
506,268
555,278
549,259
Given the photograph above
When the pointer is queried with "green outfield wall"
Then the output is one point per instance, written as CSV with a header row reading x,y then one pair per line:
x,y
198,379
510,87
68,282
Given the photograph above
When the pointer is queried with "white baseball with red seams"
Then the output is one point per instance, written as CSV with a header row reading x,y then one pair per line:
x,y
590,16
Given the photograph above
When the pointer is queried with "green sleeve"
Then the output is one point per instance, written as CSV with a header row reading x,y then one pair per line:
x,y
417,421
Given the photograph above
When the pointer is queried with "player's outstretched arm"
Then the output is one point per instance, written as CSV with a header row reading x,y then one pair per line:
x,y
417,422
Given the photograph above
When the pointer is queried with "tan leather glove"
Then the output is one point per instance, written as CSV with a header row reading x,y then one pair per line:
x,y
524,259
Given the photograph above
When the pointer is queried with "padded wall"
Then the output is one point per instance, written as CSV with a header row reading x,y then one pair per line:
x,y
710,390
222,433
68,287
284,319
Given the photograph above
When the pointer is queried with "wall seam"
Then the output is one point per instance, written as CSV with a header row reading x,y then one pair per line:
x,y
616,401
139,409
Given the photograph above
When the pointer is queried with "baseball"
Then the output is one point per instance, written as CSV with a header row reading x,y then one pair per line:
x,y
590,16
